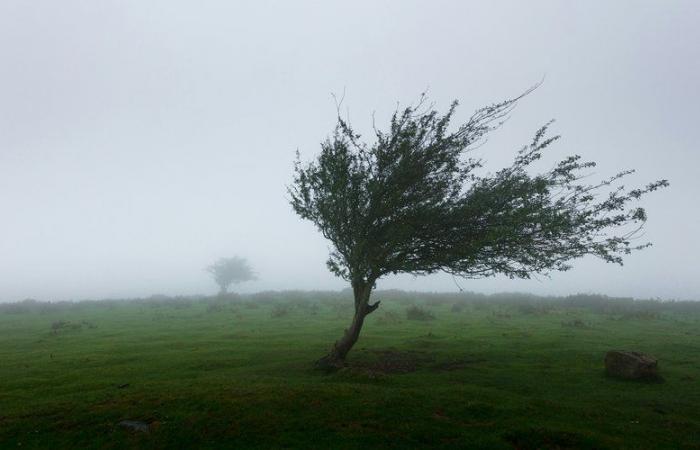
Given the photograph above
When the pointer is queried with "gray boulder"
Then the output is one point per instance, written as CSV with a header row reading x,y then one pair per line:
x,y
631,365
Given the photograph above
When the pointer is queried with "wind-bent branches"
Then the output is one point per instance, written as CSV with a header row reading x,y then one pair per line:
x,y
413,202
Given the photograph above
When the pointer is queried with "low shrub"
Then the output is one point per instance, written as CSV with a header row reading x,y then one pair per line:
x,y
59,325
576,323
458,307
418,313
216,307
280,311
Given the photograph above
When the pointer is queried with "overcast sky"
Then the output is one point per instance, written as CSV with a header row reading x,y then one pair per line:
x,y
140,141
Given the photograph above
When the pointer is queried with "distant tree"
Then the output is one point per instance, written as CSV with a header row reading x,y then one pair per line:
x,y
412,202
228,271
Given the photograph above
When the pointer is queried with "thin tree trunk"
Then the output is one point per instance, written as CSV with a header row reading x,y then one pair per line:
x,y
335,359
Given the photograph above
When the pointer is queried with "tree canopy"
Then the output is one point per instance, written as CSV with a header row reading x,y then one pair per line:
x,y
414,201
227,271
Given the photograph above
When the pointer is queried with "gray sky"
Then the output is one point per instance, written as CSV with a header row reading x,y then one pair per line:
x,y
139,141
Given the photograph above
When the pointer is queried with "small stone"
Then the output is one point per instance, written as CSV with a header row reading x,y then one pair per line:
x,y
135,425
631,365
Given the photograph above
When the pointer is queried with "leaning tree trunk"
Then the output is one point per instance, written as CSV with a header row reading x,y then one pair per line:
x,y
335,359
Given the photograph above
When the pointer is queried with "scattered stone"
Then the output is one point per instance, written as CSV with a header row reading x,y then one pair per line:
x,y
135,425
631,365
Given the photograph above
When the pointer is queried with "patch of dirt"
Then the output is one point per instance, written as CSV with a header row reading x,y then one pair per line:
x,y
457,364
396,361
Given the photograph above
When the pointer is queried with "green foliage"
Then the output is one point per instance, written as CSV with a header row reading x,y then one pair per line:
x,y
413,202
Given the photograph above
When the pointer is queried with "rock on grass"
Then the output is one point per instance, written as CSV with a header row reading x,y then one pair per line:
x,y
629,365
135,425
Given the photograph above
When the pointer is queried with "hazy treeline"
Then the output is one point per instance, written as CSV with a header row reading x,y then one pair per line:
x,y
525,303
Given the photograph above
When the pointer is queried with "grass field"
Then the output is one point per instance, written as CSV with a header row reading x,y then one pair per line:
x,y
468,371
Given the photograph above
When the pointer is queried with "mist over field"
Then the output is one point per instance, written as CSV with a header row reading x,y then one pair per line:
x,y
349,225
142,141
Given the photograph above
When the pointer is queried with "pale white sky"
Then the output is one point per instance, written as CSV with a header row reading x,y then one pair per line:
x,y
140,141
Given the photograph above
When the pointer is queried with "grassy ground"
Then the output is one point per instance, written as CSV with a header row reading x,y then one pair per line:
x,y
237,373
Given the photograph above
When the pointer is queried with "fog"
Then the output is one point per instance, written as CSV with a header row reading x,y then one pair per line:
x,y
141,141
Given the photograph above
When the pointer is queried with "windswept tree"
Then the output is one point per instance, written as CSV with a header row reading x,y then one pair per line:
x,y
414,202
228,271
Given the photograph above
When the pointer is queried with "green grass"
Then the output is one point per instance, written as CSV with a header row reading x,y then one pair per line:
x,y
231,374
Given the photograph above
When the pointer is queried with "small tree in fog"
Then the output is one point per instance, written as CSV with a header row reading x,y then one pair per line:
x,y
228,271
413,202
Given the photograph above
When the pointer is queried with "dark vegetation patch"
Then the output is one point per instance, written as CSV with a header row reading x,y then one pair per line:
x,y
305,307
575,323
616,307
390,361
503,314
219,308
418,313
280,310
458,307
66,325
536,308
457,363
